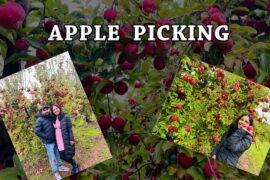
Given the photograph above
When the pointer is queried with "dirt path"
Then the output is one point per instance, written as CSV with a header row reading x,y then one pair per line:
x,y
87,161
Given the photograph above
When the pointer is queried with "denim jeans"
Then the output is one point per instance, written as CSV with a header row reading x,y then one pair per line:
x,y
53,154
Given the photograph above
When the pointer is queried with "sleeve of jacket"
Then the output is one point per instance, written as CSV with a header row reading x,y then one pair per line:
x,y
69,128
38,129
239,141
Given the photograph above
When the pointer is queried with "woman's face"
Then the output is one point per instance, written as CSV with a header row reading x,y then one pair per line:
x,y
243,122
56,110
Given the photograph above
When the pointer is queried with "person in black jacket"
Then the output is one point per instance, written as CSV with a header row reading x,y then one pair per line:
x,y
235,141
45,131
64,137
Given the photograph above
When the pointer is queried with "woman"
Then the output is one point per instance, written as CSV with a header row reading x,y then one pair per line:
x,y
64,137
235,142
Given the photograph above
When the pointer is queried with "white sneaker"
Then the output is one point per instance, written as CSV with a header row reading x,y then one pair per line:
x,y
63,168
57,175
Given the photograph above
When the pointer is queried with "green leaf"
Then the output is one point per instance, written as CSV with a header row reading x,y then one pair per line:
x,y
7,34
11,173
20,56
247,29
210,1
17,162
264,60
35,43
241,8
195,172
242,29
171,170
3,49
3,2
215,55
181,172
167,145
259,45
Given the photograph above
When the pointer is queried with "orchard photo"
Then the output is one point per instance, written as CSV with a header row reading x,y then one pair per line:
x,y
216,113
50,121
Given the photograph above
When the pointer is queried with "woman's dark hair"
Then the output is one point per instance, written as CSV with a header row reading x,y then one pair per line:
x,y
234,126
61,112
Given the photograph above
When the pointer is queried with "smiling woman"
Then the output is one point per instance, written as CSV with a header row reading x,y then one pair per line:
x,y
235,142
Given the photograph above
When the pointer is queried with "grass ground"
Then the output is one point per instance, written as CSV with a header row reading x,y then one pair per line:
x,y
252,160
90,150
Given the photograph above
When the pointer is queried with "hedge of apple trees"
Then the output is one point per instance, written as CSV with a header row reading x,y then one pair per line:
x,y
126,81
21,101
203,101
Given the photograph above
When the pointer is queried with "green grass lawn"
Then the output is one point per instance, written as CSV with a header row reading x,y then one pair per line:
x,y
256,156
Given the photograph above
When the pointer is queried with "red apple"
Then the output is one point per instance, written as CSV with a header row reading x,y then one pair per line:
x,y
185,77
219,18
120,87
92,78
174,118
170,128
163,46
134,139
131,49
12,15
226,46
149,6
42,54
110,14
210,168
105,122
184,160
250,128
132,101
107,88
126,65
215,138
118,123
213,9
50,24
159,63
119,46
192,81
187,128
168,82
152,149
31,63
124,32
179,107
249,70
149,49
174,52
137,84
21,44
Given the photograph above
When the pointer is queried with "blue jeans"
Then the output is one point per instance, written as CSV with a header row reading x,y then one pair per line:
x,y
53,154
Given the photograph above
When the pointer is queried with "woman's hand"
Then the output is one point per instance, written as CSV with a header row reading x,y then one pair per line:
x,y
72,142
214,156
